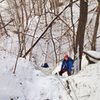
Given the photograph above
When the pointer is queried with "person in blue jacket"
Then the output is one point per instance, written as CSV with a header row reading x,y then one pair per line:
x,y
67,64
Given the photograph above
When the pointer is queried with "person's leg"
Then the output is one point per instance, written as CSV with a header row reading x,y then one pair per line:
x,y
68,72
61,72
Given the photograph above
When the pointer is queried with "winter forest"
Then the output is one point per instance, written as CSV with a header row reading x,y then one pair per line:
x,y
34,32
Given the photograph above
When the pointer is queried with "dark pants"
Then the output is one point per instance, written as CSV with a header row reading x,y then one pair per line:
x,y
63,70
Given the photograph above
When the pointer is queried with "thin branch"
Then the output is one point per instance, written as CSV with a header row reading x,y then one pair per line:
x,y
7,24
3,25
98,37
2,1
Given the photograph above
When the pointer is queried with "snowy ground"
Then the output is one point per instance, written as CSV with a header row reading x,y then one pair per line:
x,y
31,84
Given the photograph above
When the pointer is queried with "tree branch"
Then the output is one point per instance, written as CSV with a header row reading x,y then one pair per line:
x,y
7,24
48,27
89,55
2,1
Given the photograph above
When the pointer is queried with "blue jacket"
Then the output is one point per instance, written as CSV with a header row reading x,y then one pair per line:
x,y
67,65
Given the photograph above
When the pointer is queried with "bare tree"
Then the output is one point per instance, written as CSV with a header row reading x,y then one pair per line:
x,y
73,26
33,37
54,46
93,45
21,11
48,27
3,26
81,28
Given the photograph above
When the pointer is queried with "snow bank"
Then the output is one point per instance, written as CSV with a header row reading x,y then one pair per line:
x,y
86,82
31,84
27,83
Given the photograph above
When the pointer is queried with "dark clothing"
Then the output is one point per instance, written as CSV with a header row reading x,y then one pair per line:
x,y
45,65
66,66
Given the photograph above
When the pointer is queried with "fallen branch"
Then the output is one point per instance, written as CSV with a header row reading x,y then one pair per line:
x,y
91,55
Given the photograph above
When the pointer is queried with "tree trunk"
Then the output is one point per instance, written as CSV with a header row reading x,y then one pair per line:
x,y
72,17
81,28
93,45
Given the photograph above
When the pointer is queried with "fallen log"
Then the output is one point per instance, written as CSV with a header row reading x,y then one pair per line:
x,y
92,56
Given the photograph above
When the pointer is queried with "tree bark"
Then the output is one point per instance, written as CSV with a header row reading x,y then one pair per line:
x,y
93,45
81,28
73,27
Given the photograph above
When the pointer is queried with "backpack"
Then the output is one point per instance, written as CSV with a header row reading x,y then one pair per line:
x,y
45,65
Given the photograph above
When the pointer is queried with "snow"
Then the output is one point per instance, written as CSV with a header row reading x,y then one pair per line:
x,y
94,54
33,83
88,82
29,83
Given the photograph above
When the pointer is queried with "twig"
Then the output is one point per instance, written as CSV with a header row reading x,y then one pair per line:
x,y
7,24
3,25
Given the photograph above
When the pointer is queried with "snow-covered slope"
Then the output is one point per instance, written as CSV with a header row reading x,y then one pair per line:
x,y
86,83
31,84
